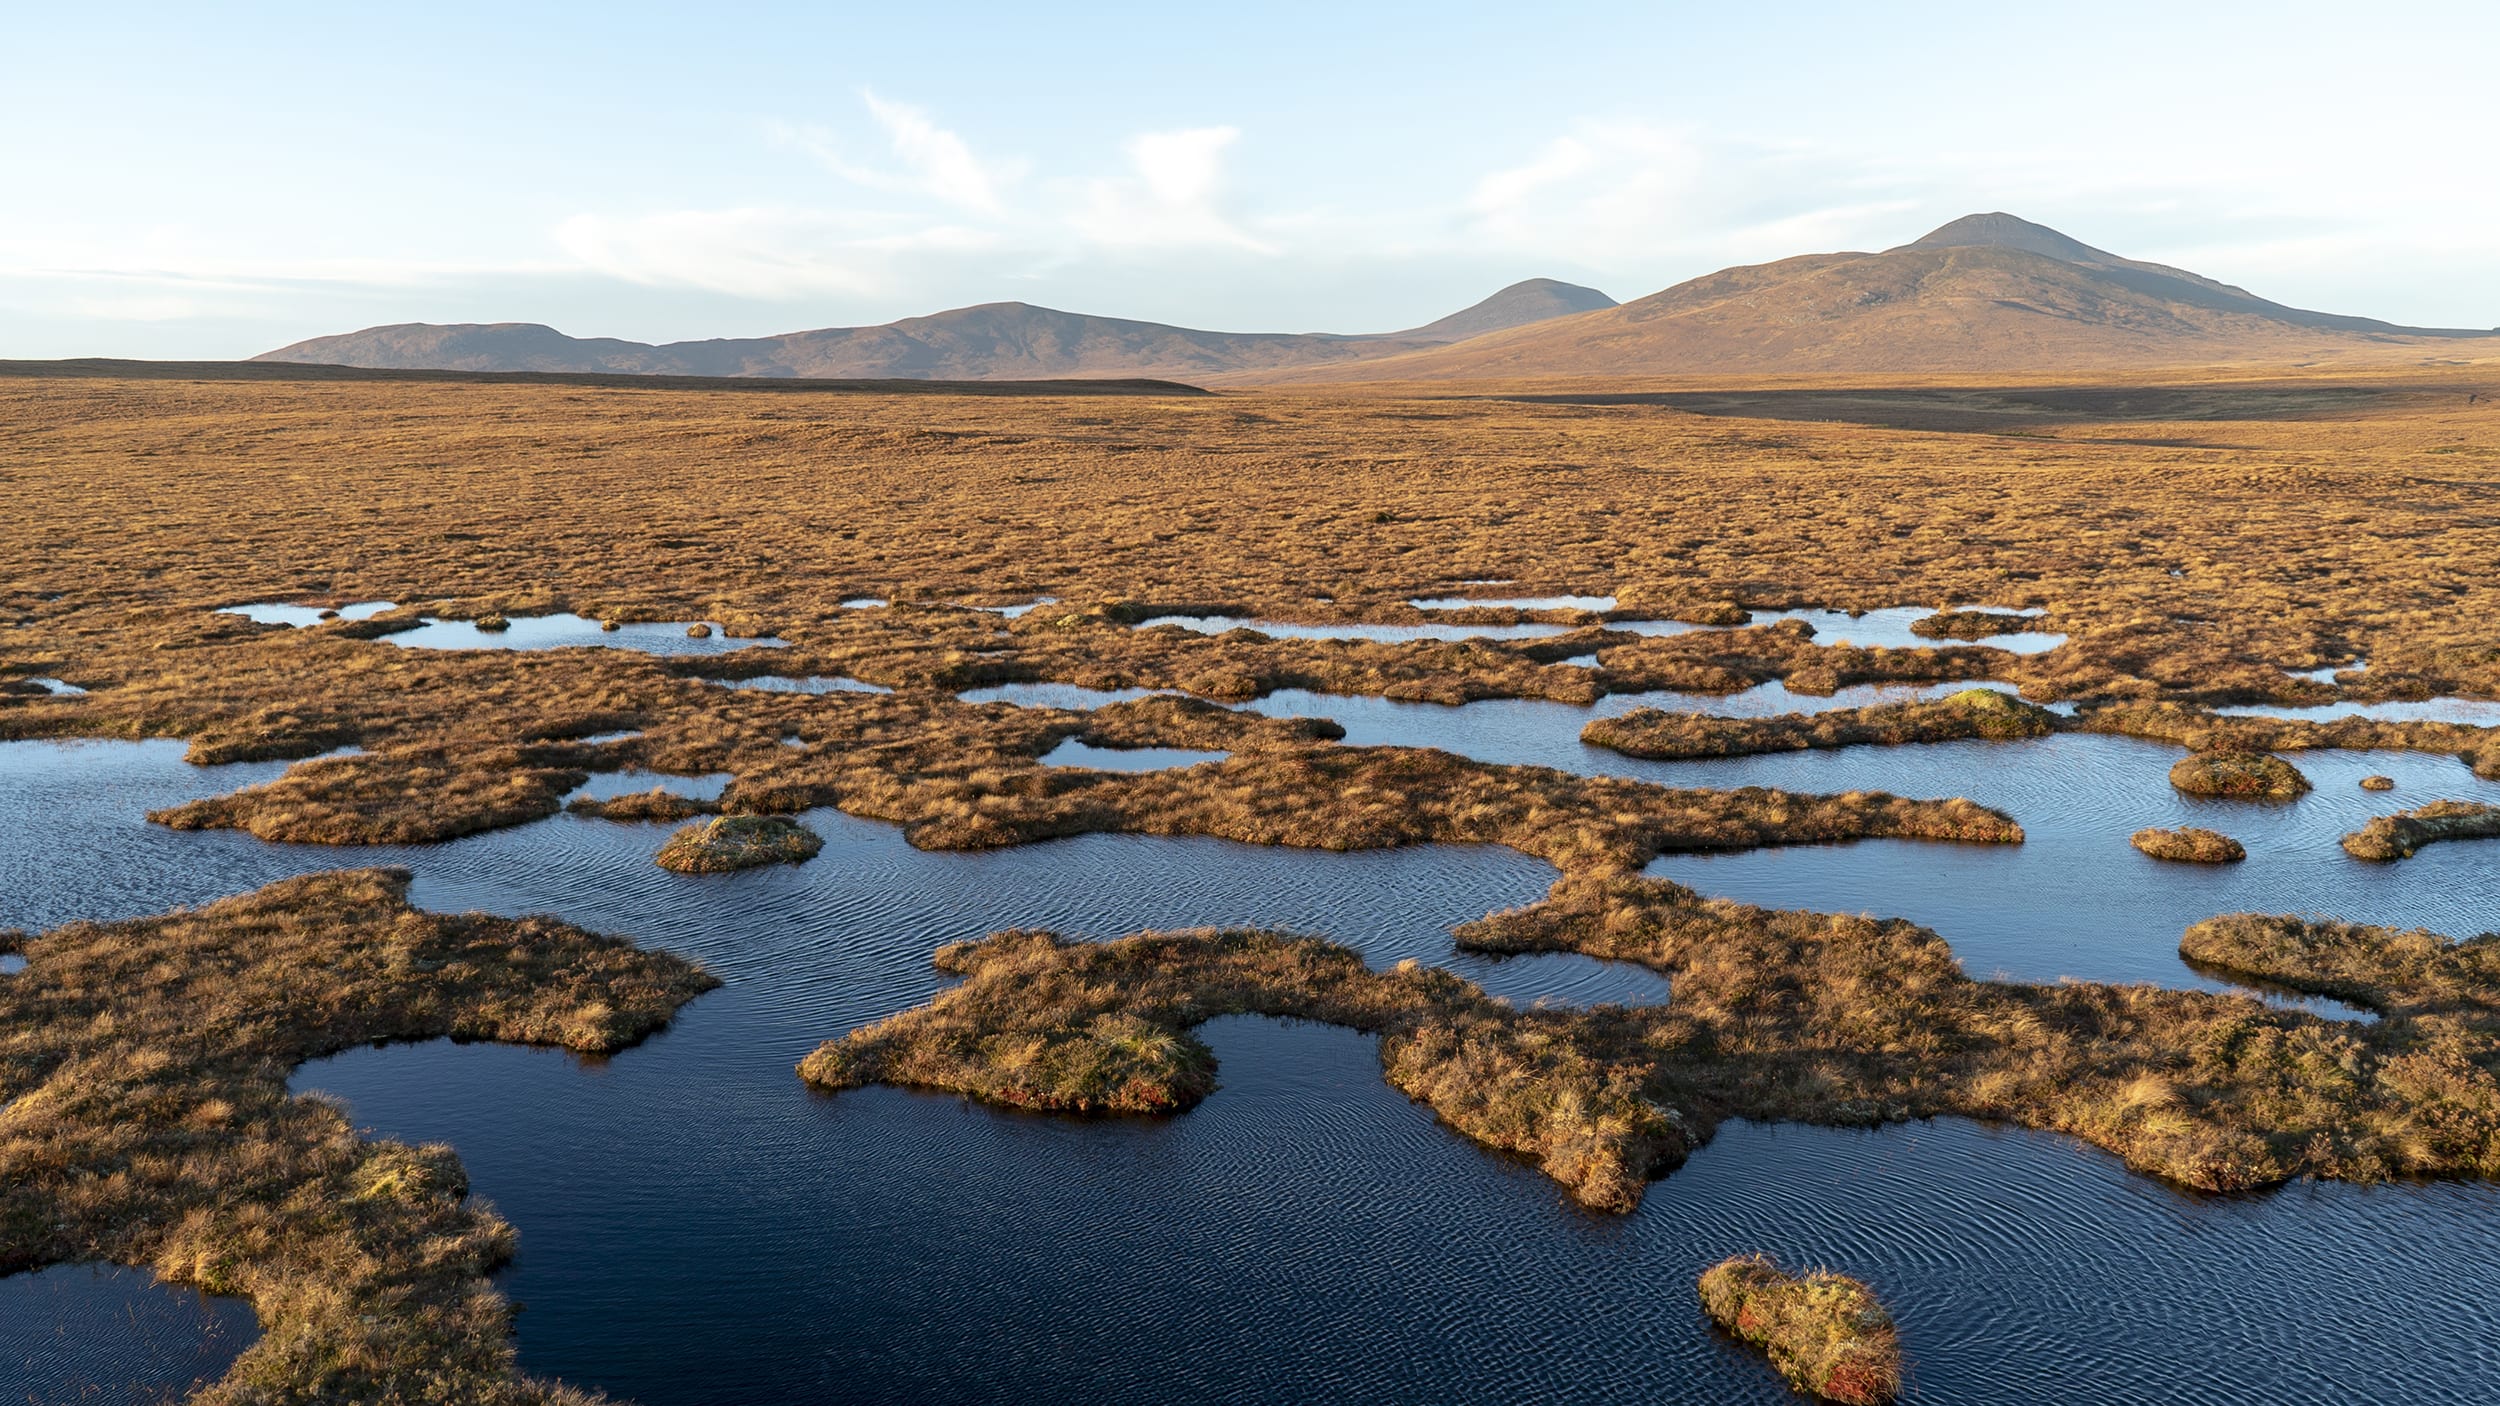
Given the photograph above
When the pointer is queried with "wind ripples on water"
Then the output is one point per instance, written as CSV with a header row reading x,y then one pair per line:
x,y
697,1226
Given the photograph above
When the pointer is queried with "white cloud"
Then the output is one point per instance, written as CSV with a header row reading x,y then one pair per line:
x,y
1637,198
1170,199
946,167
760,252
932,160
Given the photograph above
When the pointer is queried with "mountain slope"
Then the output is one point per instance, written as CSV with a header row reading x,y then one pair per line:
x,y
991,341
1533,300
1984,293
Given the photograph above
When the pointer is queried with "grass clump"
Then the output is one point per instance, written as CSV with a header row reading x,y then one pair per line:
x,y
1826,1333
2378,783
2250,776
493,624
658,804
143,1068
2189,844
738,842
1973,713
2391,837
1970,624
1104,1028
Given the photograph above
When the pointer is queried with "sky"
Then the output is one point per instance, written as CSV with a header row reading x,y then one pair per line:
x,y
201,181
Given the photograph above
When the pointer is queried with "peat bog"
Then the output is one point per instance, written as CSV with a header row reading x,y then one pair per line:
x,y
1691,898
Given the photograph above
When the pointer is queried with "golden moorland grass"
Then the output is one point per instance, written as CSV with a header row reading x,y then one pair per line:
x,y
2248,776
731,842
1973,713
1777,1015
144,1119
2392,837
2189,844
1826,1333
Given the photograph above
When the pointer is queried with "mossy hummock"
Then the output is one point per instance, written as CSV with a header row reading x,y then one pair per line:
x,y
1826,1333
2247,776
2189,844
738,842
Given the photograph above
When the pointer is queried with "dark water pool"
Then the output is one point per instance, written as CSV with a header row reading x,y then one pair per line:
x,y
698,1227
107,1334
2073,899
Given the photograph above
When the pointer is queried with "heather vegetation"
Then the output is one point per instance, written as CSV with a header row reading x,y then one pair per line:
x,y
144,1119
1826,1333
2392,837
2247,776
1971,713
1778,1015
1971,624
1047,1024
731,842
2189,844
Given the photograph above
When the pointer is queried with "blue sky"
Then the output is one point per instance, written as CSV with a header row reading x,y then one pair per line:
x,y
211,181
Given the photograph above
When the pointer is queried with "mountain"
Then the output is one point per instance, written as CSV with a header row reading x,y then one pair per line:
x,y
988,342
1534,300
1986,292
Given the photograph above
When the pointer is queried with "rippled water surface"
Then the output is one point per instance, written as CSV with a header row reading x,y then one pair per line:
x,y
698,1227
110,1334
2477,712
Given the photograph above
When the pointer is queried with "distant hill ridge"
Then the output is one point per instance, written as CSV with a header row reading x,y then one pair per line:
x,y
987,342
1987,292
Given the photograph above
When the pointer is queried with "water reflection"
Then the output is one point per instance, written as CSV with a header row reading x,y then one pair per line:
x,y
107,1333
1384,634
1081,754
1598,603
568,631
813,683
2475,712
301,616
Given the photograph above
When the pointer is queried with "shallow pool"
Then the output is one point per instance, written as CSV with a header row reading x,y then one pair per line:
x,y
573,631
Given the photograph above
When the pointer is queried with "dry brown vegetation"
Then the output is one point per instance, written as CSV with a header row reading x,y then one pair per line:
x,y
1826,1333
2392,837
1971,713
2200,730
1103,1027
2248,776
2189,844
733,842
144,1119
2265,494
1778,1015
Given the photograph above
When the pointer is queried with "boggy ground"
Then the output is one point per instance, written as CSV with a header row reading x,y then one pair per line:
x,y
2189,542
1777,1015
2192,551
144,1119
